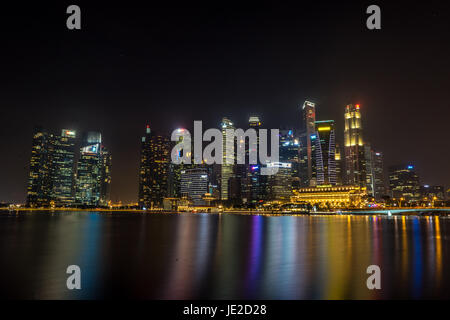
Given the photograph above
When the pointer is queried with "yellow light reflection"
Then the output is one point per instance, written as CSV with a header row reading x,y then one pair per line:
x,y
438,251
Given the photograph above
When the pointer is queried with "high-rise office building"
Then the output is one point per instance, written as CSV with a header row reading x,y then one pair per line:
x,y
374,172
379,186
227,169
368,168
39,181
154,169
324,161
215,171
307,129
105,187
256,185
174,180
280,184
51,169
339,165
355,173
432,193
89,171
404,182
289,152
63,168
253,184
194,184
174,173
93,172
145,170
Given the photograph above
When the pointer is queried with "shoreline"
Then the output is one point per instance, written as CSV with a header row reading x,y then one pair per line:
x,y
383,212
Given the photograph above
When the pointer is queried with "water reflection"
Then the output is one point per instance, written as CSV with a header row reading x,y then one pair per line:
x,y
254,254
224,256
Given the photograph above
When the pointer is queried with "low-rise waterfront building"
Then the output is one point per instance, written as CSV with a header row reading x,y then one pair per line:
x,y
331,196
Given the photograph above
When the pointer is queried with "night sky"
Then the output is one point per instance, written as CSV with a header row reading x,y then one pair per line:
x,y
168,64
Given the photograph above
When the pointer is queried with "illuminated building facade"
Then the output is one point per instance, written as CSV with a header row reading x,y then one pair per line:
x,y
39,180
174,175
194,184
105,184
289,152
379,186
145,170
306,146
63,168
253,184
355,173
331,197
254,122
404,183
227,169
93,178
154,169
339,165
89,176
280,184
432,192
374,172
50,180
254,188
368,167
324,164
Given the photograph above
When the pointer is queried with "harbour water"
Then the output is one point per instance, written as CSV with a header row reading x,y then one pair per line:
x,y
222,256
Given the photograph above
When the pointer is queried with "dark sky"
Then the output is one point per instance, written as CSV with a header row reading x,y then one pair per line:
x,y
168,64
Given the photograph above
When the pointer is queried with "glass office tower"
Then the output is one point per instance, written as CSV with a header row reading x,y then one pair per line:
x,y
63,162
51,174
154,169
227,169
307,128
93,178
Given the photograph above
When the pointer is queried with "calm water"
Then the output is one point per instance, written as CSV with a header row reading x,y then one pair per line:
x,y
227,256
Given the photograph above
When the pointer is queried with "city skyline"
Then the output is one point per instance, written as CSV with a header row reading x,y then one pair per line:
x,y
225,158
309,158
170,66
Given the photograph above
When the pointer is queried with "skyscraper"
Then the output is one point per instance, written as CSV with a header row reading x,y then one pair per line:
x,y
174,175
253,184
374,172
51,169
280,184
194,184
39,181
63,168
226,169
324,162
369,169
89,176
404,182
154,169
339,165
355,173
306,146
379,186
93,172
289,152
105,188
